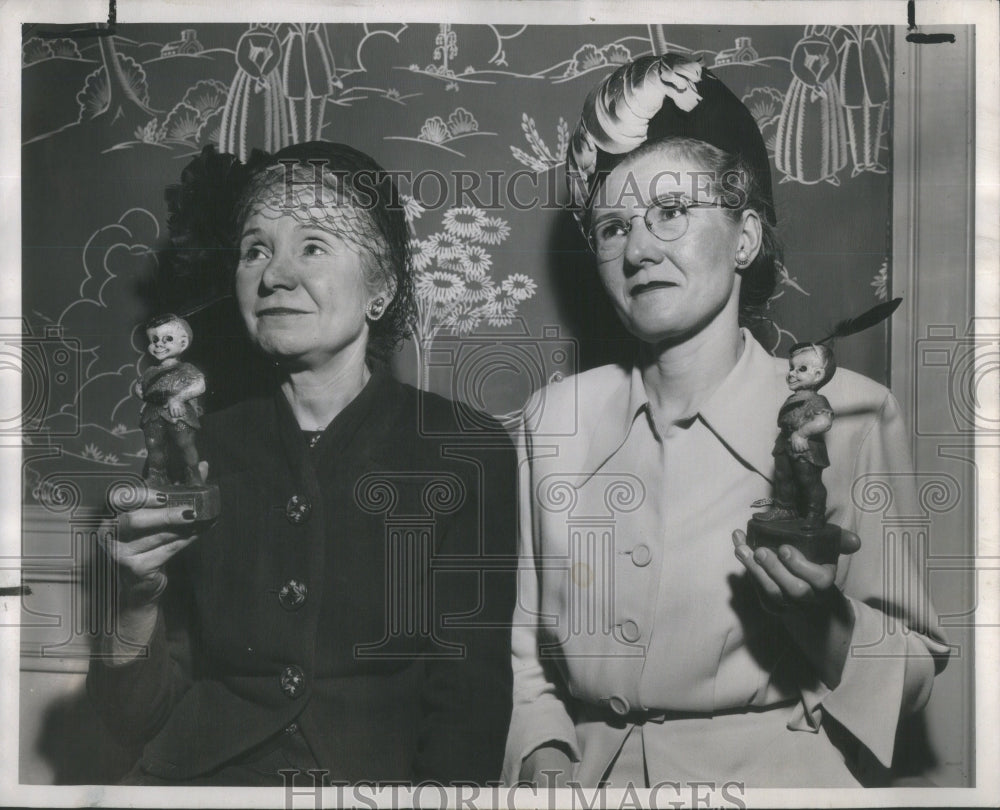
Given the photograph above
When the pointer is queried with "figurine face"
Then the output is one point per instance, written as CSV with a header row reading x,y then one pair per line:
x,y
805,370
302,288
668,290
167,340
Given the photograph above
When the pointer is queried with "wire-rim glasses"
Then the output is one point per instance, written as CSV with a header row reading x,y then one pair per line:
x,y
666,218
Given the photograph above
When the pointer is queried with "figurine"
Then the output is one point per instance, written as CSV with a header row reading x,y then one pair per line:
x,y
800,449
170,415
797,514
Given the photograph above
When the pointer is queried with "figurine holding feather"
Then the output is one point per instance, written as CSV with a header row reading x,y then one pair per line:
x,y
797,513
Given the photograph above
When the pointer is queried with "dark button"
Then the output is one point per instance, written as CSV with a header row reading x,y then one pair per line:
x,y
618,705
292,728
292,595
630,631
293,681
297,509
641,555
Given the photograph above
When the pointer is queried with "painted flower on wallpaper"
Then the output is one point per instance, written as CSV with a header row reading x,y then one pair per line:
x,y
412,209
494,231
542,159
454,289
880,281
464,222
434,130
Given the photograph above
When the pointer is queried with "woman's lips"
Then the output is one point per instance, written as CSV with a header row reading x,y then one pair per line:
x,y
650,286
270,311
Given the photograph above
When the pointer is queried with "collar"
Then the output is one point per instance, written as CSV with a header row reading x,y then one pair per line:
x,y
742,412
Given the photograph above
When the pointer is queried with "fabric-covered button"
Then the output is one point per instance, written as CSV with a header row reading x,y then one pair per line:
x,y
297,509
293,681
641,555
618,705
630,631
293,594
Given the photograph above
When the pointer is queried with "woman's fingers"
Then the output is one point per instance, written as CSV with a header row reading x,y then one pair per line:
x,y
767,585
143,521
819,576
790,584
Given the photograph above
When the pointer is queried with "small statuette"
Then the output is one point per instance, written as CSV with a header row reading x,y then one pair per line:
x,y
170,418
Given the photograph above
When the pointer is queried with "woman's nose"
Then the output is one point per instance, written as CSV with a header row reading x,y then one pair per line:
x,y
280,273
641,246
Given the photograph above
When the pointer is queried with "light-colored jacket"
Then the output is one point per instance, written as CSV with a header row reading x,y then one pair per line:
x,y
630,597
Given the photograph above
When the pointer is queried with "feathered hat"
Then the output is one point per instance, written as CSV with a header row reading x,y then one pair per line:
x,y
655,97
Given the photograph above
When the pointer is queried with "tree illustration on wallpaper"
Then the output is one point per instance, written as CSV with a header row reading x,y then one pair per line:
x,y
445,48
117,92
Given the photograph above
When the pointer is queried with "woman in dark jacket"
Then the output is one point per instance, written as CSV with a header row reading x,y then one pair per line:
x,y
349,609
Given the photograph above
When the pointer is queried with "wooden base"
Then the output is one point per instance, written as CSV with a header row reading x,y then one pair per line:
x,y
820,545
205,499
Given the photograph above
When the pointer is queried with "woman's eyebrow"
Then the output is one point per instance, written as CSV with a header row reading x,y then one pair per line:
x,y
250,232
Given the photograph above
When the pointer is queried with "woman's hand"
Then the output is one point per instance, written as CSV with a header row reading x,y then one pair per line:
x,y
547,766
787,578
140,543
806,597
176,407
799,442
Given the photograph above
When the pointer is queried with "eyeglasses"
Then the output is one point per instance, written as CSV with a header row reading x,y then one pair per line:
x,y
666,219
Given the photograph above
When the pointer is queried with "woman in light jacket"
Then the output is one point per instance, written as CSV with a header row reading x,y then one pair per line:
x,y
650,643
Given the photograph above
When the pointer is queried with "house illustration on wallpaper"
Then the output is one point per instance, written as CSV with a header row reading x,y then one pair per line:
x,y
187,45
743,52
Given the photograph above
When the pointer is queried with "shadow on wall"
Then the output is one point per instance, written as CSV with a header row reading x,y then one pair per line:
x,y
74,747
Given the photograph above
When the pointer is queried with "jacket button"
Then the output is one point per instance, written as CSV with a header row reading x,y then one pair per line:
x,y
293,681
630,631
292,595
292,728
641,555
297,509
618,705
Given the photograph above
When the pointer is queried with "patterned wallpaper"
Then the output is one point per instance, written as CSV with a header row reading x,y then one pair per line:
x,y
507,291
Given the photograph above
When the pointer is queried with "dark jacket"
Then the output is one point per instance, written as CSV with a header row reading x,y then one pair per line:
x,y
403,537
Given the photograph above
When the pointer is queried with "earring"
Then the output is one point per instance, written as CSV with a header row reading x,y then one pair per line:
x,y
375,309
742,258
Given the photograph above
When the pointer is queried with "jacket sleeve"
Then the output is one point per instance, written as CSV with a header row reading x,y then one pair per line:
x,y
135,699
466,699
897,646
540,714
